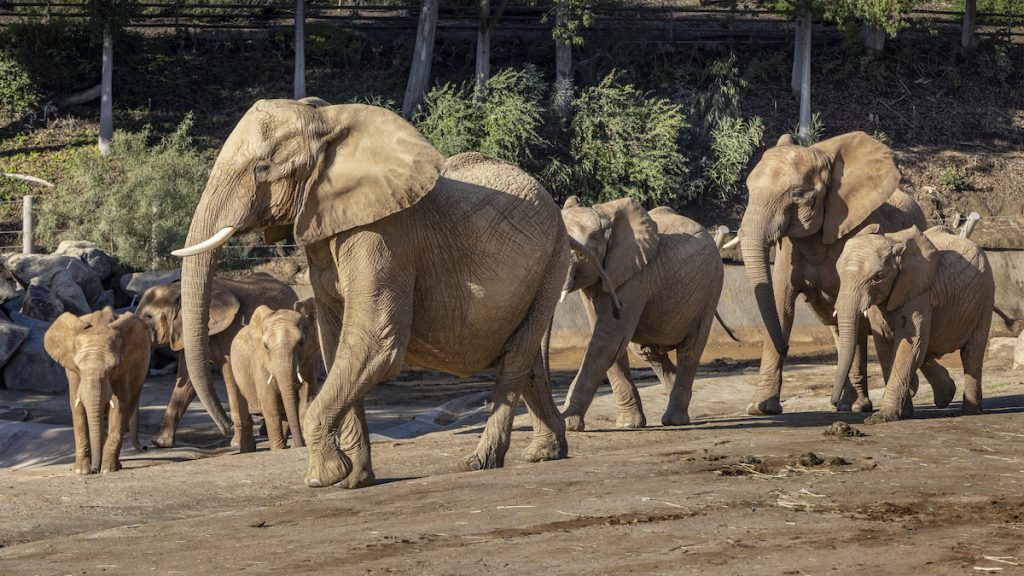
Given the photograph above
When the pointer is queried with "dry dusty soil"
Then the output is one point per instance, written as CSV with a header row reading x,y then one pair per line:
x,y
730,494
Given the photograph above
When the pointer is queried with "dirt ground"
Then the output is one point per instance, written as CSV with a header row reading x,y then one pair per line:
x,y
730,494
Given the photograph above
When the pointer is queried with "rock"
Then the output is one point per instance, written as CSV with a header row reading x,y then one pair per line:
x,y
51,271
11,337
31,368
136,284
7,291
100,262
40,303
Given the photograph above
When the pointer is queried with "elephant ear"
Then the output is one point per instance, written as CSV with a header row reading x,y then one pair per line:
x,y
259,315
632,239
786,140
59,340
863,176
571,202
371,164
134,332
917,261
306,307
223,309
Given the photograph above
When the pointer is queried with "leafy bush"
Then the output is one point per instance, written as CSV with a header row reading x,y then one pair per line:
x,y
501,122
956,178
624,143
815,131
17,94
137,203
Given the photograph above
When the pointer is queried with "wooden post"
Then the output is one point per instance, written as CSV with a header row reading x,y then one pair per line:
x,y
27,225
968,227
968,39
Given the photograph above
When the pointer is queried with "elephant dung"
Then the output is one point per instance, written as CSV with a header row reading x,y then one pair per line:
x,y
100,262
40,303
136,284
51,271
31,368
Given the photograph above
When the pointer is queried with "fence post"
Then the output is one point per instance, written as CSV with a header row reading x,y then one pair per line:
x,y
968,227
27,225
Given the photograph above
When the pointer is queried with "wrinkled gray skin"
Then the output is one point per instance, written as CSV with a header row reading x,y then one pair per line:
x,y
275,361
451,265
651,260
923,295
809,201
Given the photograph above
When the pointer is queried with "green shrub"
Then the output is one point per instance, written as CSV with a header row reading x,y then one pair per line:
x,y
136,203
624,143
502,122
17,94
956,178
815,131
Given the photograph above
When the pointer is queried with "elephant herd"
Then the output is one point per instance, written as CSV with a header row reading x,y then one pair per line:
x,y
457,265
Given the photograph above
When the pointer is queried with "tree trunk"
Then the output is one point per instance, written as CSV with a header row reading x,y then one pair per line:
x,y
419,73
563,61
299,83
798,53
106,105
874,37
968,39
483,55
805,76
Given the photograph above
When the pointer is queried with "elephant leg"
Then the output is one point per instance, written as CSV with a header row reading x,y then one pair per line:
x,y
855,392
973,357
241,418
181,397
354,441
272,418
494,442
907,354
677,413
767,395
548,427
661,364
117,419
943,387
627,397
229,381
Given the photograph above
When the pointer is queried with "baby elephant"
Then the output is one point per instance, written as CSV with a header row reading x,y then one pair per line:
x,y
275,360
924,295
652,279
106,359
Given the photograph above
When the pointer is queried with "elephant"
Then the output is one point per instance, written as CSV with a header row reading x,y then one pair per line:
x,y
451,265
809,200
649,262
106,359
923,295
275,361
232,303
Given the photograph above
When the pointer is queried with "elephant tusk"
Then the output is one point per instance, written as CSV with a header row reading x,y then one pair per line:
x,y
112,403
215,241
78,401
298,373
865,313
731,243
835,314
562,297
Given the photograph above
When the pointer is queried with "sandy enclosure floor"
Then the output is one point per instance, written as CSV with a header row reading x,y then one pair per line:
x,y
730,494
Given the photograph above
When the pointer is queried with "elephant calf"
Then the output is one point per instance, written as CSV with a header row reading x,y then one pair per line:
x,y
667,274
106,359
924,295
275,360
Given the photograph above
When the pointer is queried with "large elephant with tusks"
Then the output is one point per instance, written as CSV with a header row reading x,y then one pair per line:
x,y
452,265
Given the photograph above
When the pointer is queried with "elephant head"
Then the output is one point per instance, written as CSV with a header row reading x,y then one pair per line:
x,y
289,347
611,242
884,270
160,310
321,169
828,188
90,347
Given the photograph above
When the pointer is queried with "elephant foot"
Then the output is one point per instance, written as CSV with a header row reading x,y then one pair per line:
x,y
574,422
546,448
768,407
630,419
882,416
944,394
675,418
109,466
477,461
82,467
327,466
862,405
359,478
970,409
164,439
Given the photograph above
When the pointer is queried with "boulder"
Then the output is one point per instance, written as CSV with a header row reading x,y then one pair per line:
x,y
40,303
7,290
31,368
11,337
136,284
100,262
54,272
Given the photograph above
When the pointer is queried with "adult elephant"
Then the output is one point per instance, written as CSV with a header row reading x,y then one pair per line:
x,y
810,201
451,265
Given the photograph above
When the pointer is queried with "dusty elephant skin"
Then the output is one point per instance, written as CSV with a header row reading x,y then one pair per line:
x,y
811,200
232,303
451,265
106,359
275,361
924,295
650,261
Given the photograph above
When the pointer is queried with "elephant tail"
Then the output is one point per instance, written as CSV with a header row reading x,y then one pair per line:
x,y
1009,322
725,327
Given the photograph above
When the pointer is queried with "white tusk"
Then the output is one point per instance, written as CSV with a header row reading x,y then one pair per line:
x,y
112,403
564,294
78,401
270,381
299,374
731,243
835,314
214,241
865,313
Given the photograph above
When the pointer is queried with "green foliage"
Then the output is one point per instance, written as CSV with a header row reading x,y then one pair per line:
x,y
17,93
998,6
625,143
502,122
137,203
849,15
59,57
956,178
108,15
814,131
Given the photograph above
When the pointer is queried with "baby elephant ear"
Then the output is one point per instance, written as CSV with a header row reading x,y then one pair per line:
x,y
571,202
59,340
632,242
223,308
786,140
917,262
872,228
306,307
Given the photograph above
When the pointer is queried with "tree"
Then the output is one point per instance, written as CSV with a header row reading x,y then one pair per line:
x,y
570,16
419,72
488,14
968,39
107,18
299,82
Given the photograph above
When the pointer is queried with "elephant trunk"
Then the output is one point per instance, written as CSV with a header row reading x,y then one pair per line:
x,y
755,244
288,383
92,395
848,319
196,282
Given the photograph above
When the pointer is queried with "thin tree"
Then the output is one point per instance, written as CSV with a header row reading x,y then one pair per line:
x,y
106,19
968,38
299,81
419,72
488,13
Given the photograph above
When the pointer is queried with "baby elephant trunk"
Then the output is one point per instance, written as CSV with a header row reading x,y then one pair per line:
x,y
286,373
848,319
95,397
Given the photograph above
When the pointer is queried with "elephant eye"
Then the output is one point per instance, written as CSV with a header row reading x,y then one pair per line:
x,y
799,194
878,277
261,169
